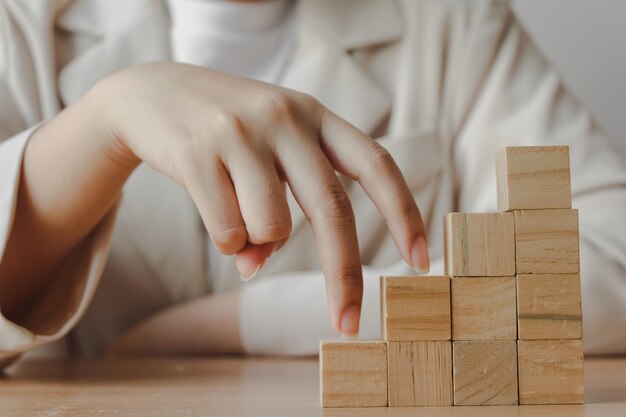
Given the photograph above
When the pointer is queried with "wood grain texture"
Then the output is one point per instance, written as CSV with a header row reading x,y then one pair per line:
x,y
420,373
485,372
484,308
415,308
353,374
241,386
479,244
549,306
551,372
533,177
547,241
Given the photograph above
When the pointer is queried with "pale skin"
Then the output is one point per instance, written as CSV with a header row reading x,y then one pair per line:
x,y
216,135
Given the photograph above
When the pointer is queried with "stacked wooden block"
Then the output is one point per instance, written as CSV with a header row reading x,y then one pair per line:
x,y
534,184
504,326
480,258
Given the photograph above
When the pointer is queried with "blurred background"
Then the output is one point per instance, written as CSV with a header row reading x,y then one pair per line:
x,y
586,41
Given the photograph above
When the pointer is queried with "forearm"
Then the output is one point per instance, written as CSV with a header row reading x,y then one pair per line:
x,y
207,325
71,176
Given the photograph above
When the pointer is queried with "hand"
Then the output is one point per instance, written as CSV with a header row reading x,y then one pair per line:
x,y
234,143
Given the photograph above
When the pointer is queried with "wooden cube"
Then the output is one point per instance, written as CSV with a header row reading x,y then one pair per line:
x,y
547,241
533,177
420,373
549,306
415,308
483,308
551,372
479,244
353,374
485,372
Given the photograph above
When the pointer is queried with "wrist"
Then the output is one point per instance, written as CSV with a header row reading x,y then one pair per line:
x,y
101,102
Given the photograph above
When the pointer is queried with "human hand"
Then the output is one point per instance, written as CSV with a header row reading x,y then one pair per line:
x,y
235,143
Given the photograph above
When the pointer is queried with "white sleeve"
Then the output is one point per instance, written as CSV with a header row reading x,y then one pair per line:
x,y
68,293
520,100
28,96
288,314
12,337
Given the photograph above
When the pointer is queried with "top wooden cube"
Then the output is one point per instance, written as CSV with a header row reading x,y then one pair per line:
x,y
533,177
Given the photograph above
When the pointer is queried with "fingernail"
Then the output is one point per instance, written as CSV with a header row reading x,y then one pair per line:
x,y
419,256
247,276
350,323
350,337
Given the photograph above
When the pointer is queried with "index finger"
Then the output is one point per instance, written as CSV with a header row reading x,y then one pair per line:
x,y
358,156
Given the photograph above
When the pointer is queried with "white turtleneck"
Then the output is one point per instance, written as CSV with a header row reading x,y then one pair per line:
x,y
252,40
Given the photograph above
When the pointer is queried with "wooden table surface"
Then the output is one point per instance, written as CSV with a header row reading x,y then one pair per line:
x,y
240,387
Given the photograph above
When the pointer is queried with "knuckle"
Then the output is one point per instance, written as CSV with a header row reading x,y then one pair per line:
x,y
309,102
312,108
273,232
229,240
234,131
379,157
336,206
230,123
348,277
279,105
409,211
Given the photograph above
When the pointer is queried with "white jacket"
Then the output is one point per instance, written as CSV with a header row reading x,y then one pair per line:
x,y
443,84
